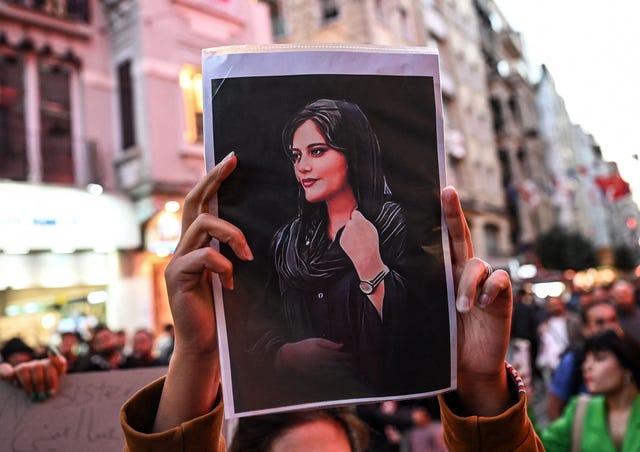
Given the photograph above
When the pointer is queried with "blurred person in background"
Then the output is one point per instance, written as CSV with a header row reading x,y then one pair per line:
x,y
142,351
608,420
164,344
15,351
623,297
104,352
567,379
404,425
122,341
72,347
38,377
524,326
560,329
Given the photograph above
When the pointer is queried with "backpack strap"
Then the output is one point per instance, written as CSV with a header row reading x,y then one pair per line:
x,y
578,422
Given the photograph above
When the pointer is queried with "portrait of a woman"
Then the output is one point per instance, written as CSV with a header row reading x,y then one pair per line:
x,y
339,262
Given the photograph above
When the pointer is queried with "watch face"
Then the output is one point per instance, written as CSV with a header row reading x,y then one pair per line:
x,y
366,287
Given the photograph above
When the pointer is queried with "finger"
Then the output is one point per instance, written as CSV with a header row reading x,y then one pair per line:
x,y
51,380
496,287
23,375
58,361
206,226
473,275
459,233
38,379
197,200
199,260
326,343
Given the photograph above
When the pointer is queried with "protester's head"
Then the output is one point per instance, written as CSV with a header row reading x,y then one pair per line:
x,y
104,341
612,362
337,429
622,295
69,342
598,316
555,306
15,352
600,293
342,127
142,343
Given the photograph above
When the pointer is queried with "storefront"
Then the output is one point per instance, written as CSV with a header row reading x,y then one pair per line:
x,y
67,260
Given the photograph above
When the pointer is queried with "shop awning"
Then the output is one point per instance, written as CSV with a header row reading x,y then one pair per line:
x,y
37,217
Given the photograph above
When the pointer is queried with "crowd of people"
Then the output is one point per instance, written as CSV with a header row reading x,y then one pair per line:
x,y
104,349
584,349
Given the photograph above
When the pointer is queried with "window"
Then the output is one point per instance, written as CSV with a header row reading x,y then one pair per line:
x,y
125,94
55,124
278,28
191,85
491,238
13,151
330,10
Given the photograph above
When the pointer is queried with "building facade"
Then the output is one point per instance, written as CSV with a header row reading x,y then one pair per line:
x,y
472,161
512,96
100,139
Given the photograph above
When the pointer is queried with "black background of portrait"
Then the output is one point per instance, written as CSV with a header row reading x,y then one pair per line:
x,y
261,196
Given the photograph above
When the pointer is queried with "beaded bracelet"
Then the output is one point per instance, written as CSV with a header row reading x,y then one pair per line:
x,y
515,377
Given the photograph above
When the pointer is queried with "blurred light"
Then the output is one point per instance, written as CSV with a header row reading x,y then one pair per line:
x,y
162,250
632,222
527,271
12,310
63,250
48,321
95,189
548,289
30,308
16,250
172,206
97,297
638,271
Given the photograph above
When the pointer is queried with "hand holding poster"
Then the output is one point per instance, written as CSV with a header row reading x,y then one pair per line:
x,y
337,191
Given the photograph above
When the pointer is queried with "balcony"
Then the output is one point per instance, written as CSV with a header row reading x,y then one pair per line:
x,y
70,10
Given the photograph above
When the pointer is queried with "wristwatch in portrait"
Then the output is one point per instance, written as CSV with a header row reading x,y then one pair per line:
x,y
368,287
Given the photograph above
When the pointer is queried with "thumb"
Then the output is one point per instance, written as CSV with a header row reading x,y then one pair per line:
x,y
58,361
326,343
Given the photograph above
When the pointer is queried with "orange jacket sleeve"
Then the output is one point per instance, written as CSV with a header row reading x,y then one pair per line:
x,y
137,415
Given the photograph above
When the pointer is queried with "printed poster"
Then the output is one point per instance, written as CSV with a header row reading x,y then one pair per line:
x,y
340,153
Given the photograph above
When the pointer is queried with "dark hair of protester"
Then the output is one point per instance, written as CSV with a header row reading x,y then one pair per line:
x,y
347,130
623,346
14,346
258,433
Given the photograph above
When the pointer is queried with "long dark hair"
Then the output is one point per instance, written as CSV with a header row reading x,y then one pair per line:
x,y
624,347
347,130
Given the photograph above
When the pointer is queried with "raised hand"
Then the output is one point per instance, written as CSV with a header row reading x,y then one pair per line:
x,y
194,371
40,378
484,303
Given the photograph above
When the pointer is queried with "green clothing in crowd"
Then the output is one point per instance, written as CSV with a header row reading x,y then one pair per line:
x,y
595,430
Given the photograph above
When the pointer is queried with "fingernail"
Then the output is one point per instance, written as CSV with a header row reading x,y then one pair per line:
x,y
229,155
54,350
462,303
484,300
248,255
51,392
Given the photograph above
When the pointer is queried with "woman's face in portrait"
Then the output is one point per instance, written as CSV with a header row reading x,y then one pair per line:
x,y
320,169
603,373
